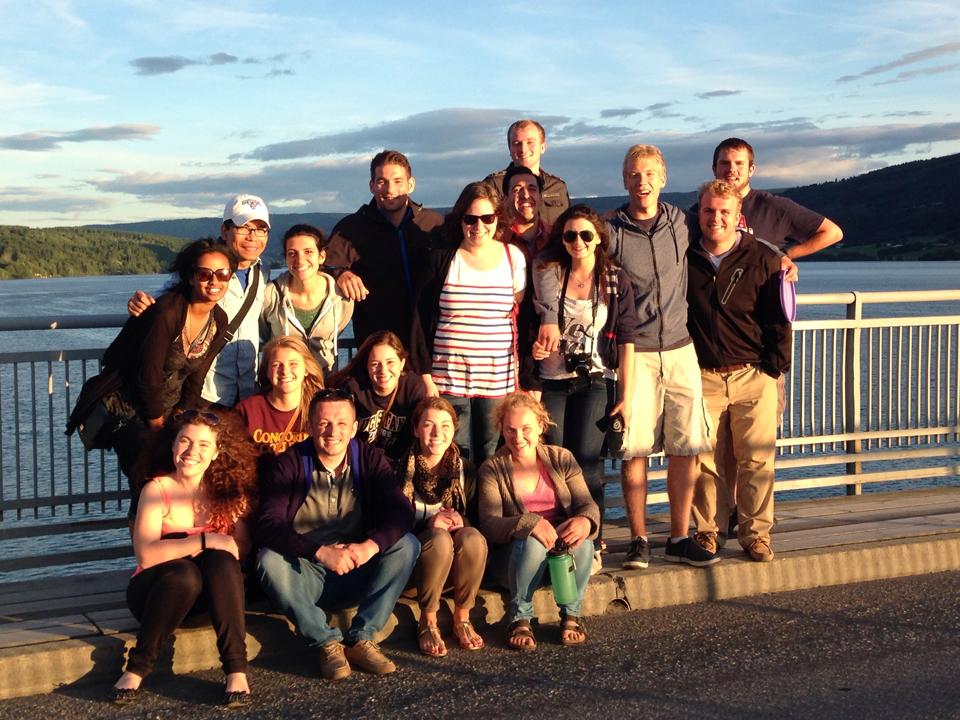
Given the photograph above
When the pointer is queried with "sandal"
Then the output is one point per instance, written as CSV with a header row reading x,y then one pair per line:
x,y
571,624
430,641
520,630
467,637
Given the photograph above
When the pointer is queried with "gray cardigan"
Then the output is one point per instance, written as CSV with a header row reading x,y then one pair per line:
x,y
502,515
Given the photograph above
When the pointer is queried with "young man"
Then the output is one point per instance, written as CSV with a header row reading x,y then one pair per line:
x,y
245,229
743,344
529,233
649,240
527,142
375,253
344,540
793,228
797,231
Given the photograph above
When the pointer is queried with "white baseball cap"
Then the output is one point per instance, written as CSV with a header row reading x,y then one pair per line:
x,y
241,209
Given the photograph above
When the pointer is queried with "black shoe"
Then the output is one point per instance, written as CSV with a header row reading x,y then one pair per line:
x,y
123,696
638,556
732,524
236,699
690,552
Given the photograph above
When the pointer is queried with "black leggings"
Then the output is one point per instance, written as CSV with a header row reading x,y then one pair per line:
x,y
161,597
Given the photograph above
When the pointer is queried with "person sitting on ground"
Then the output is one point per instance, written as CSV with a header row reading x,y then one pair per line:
x,y
384,392
304,301
441,486
334,529
289,376
531,497
189,536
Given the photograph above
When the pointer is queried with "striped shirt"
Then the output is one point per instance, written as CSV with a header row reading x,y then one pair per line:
x,y
474,350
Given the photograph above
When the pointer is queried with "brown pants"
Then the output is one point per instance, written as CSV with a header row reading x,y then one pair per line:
x,y
448,559
743,407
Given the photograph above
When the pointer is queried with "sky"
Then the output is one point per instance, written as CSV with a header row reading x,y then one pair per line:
x,y
144,110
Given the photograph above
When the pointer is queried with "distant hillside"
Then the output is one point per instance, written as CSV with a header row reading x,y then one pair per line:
x,y
901,212
60,252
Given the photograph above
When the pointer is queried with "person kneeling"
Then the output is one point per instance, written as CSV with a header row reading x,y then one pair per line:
x,y
334,528
533,499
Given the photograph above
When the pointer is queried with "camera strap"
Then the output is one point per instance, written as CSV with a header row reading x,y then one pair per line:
x,y
595,302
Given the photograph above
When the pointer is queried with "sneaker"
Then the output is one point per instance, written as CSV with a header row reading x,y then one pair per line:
x,y
333,663
709,541
732,523
638,556
366,655
597,564
759,550
690,552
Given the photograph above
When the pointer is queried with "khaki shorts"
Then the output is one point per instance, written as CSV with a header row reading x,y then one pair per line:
x,y
668,409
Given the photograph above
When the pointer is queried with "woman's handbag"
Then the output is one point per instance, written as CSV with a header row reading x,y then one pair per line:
x,y
94,423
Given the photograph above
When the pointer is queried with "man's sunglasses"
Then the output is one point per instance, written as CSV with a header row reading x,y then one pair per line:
x,y
487,219
206,274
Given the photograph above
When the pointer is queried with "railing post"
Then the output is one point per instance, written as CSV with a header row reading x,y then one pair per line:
x,y
851,388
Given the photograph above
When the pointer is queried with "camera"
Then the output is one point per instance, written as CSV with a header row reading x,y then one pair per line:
x,y
575,362
614,428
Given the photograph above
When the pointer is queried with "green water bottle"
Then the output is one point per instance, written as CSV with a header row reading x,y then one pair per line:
x,y
562,577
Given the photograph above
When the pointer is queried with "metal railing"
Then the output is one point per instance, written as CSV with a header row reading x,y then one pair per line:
x,y
876,391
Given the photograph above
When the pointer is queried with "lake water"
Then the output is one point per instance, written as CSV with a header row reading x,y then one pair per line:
x,y
61,297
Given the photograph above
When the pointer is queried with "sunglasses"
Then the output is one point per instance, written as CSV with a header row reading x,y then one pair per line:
x,y
487,219
333,394
187,416
570,236
206,274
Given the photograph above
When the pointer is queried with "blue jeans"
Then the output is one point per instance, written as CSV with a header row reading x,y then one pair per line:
x,y
477,435
298,587
576,406
526,566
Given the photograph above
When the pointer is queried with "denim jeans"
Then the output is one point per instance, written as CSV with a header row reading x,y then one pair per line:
x,y
576,406
477,435
526,571
298,587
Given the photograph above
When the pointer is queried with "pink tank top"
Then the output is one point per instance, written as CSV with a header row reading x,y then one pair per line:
x,y
166,530
543,500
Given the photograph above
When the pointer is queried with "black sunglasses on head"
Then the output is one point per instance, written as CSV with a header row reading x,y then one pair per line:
x,y
187,416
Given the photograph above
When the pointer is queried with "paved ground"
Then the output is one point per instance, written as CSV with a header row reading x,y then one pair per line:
x,y
884,649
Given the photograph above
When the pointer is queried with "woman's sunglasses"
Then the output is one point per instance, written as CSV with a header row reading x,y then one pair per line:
x,y
570,236
187,416
206,274
487,219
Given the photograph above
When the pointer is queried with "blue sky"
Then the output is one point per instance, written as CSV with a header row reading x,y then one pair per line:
x,y
122,111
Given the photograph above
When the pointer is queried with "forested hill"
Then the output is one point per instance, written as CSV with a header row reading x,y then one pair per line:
x,y
901,212
55,252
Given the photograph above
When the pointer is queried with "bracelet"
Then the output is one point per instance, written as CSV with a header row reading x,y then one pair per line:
x,y
203,542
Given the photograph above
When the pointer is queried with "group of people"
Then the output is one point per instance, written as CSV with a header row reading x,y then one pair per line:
x,y
499,348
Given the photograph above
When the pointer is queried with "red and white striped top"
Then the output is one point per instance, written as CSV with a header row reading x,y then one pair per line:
x,y
474,351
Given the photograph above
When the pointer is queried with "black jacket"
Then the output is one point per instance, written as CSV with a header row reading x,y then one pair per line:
x,y
368,244
735,314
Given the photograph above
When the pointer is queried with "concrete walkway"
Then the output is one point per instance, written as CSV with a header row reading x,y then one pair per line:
x,y
76,630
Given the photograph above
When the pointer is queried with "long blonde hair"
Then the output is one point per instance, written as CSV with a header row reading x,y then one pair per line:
x,y
312,373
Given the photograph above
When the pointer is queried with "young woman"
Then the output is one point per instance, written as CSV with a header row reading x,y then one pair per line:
x,y
385,393
532,495
162,356
591,300
303,301
464,338
289,377
440,485
188,537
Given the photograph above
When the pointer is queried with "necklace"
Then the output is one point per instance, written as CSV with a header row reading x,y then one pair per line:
x,y
582,283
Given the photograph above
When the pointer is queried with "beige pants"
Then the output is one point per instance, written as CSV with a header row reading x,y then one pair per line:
x,y
743,406
448,559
